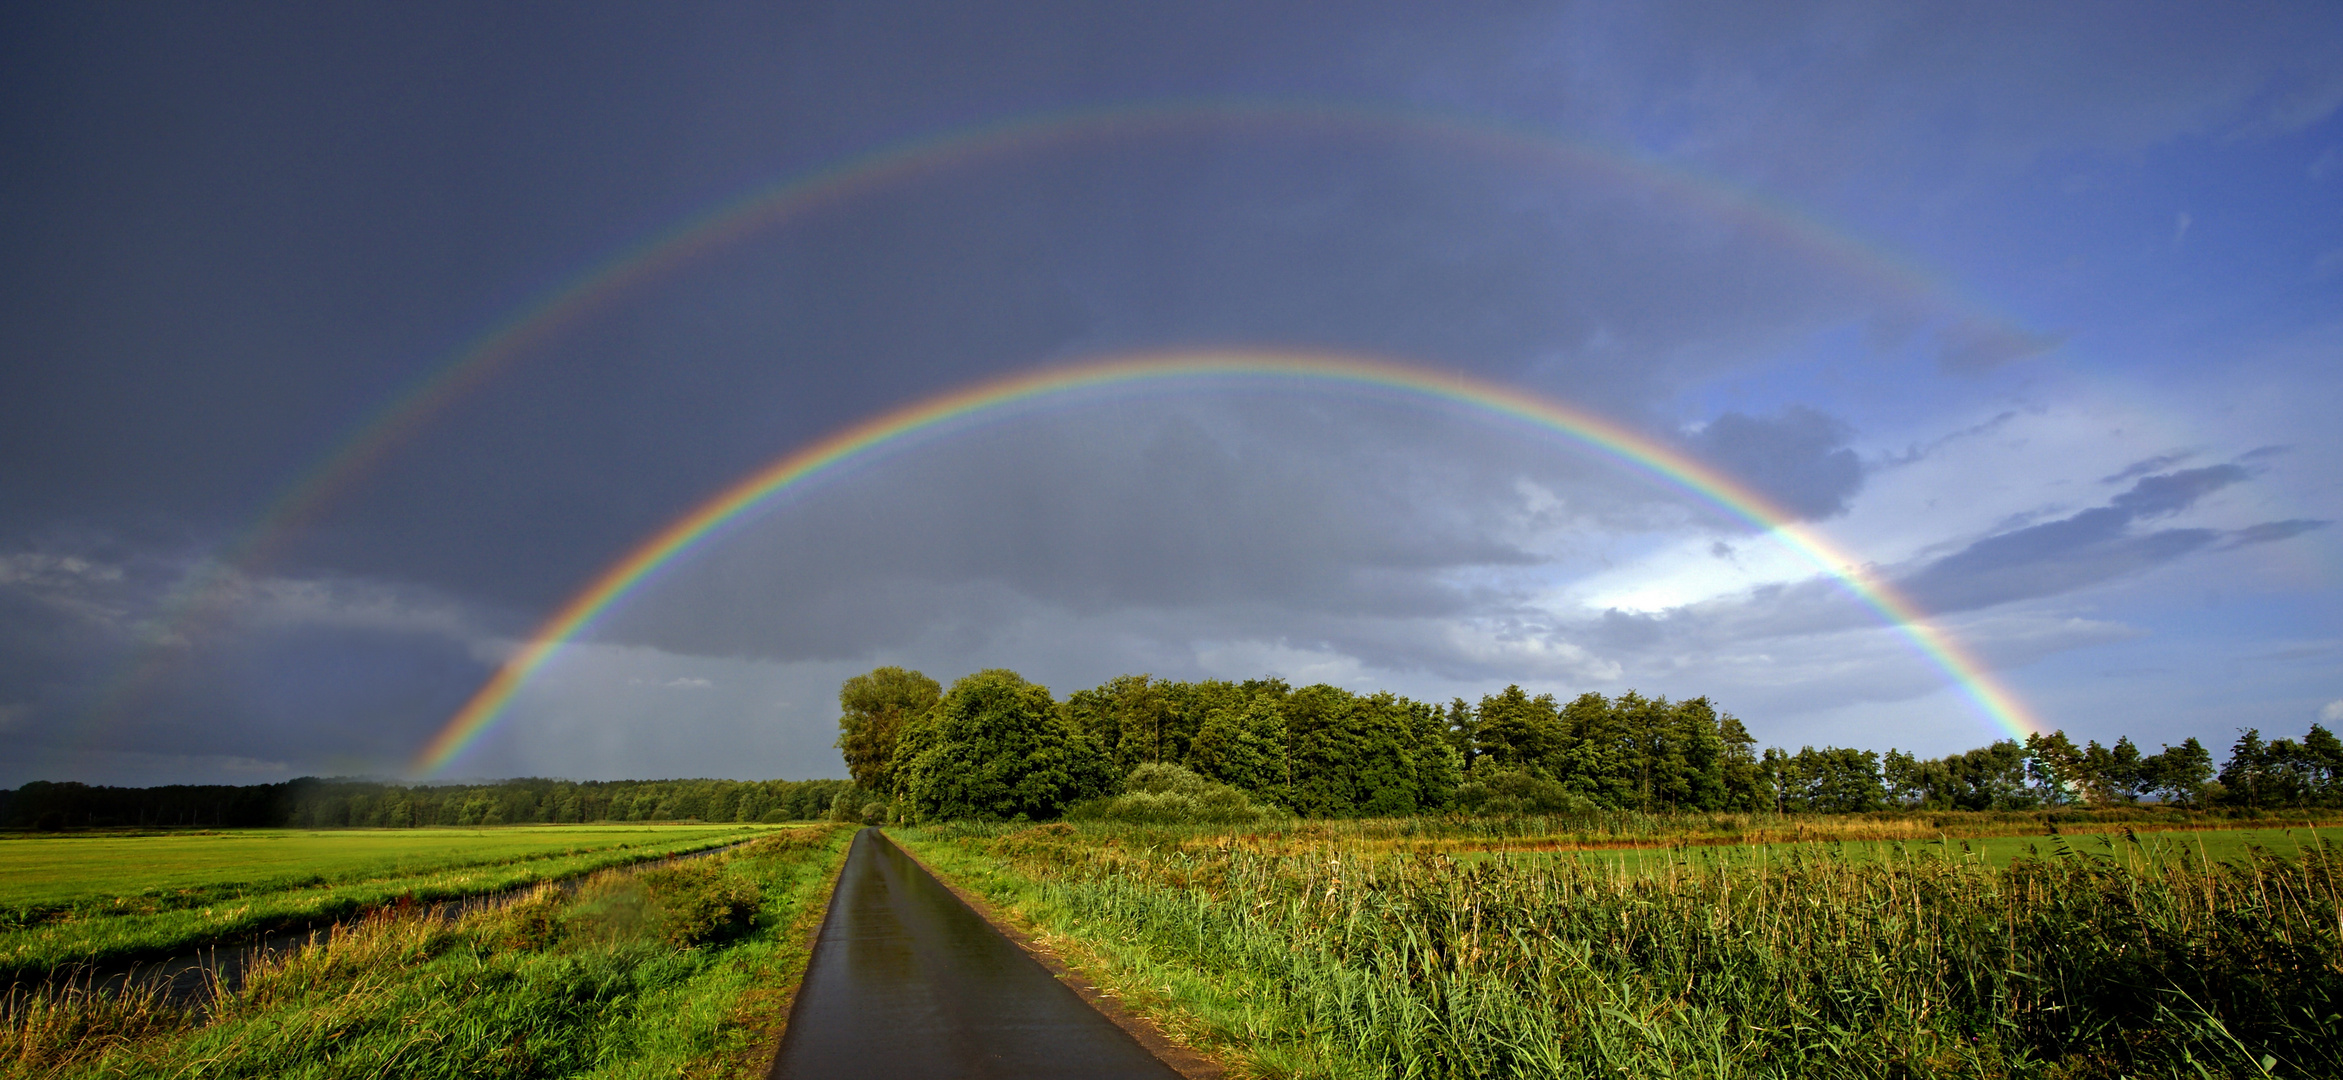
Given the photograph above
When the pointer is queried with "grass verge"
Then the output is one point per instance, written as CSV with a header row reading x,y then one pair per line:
x,y
639,973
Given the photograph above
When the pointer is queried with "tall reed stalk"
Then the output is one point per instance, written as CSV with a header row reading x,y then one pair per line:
x,y
2126,958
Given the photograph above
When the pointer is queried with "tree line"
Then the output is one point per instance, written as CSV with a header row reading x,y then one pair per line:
x,y
316,803
999,746
995,745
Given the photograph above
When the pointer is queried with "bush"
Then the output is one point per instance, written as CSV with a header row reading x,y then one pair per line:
x,y
682,904
1504,793
1158,794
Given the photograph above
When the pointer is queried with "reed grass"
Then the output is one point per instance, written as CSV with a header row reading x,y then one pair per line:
x,y
2108,957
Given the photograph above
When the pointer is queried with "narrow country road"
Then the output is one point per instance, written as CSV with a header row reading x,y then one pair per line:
x,y
908,983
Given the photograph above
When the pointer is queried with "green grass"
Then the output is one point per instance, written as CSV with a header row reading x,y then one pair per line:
x,y
1342,958
116,898
42,871
641,973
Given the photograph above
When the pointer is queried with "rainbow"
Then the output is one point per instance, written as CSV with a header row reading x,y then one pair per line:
x,y
960,408
570,300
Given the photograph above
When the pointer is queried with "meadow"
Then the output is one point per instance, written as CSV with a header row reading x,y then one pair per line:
x,y
1326,949
99,899
674,970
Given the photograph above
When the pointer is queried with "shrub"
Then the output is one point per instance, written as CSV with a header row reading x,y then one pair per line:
x,y
683,904
697,901
1513,792
1159,794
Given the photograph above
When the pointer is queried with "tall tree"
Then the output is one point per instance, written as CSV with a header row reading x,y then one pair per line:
x,y
873,708
1515,730
2179,774
997,747
1743,787
1243,745
1597,760
2243,773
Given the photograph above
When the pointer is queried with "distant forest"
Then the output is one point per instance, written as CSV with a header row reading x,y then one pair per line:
x,y
998,746
312,803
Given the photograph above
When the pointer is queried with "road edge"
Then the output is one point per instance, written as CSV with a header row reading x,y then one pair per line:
x,y
1189,1063
807,929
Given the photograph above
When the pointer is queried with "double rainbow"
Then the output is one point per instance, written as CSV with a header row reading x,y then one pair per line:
x,y
534,325
957,409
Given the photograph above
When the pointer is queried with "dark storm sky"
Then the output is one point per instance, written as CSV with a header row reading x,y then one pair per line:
x,y
234,234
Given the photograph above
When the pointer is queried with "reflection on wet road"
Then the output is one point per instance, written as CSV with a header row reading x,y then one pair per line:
x,y
906,982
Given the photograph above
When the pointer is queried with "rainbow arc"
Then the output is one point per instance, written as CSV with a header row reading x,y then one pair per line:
x,y
960,409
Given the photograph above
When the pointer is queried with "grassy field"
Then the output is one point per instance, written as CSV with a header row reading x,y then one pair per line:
x,y
47,870
108,898
675,971
1324,950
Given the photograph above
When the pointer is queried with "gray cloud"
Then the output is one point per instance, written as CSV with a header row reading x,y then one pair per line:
x,y
2083,549
2144,466
1798,457
274,674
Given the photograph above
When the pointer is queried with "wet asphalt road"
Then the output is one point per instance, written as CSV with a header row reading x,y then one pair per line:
x,y
907,983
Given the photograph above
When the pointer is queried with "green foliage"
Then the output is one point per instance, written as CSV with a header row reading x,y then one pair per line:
x,y
1323,751
1514,792
996,747
2283,772
696,902
1242,744
1832,780
542,987
1160,794
873,709
1317,960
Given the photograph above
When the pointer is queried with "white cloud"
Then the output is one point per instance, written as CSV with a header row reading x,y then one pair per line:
x,y
2332,712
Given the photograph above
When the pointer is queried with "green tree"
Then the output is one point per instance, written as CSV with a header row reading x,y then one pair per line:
x,y
1694,778
1463,732
873,709
1516,731
1243,745
2243,774
997,747
2056,766
2179,774
1744,788
1597,759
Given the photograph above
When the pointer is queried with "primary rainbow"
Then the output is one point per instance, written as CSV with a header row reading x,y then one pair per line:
x,y
571,299
945,412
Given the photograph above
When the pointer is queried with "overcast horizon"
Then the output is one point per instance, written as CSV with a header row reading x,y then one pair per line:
x,y
2037,313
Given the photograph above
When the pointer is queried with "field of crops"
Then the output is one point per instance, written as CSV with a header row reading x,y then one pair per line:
x,y
669,971
1323,951
103,898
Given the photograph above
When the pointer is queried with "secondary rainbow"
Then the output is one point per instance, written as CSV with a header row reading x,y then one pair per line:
x,y
982,400
573,298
